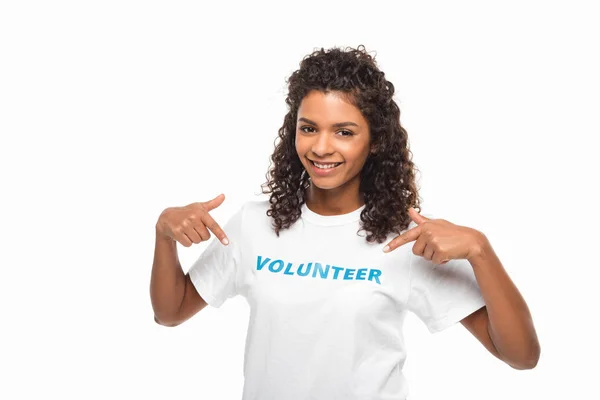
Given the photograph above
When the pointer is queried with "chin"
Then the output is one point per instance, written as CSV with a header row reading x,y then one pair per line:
x,y
325,183
324,187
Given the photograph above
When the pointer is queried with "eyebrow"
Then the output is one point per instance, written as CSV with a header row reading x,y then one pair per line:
x,y
336,125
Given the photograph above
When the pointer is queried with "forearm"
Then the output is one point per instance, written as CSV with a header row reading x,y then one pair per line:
x,y
167,283
510,323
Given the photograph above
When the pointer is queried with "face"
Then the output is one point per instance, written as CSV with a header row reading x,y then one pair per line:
x,y
333,134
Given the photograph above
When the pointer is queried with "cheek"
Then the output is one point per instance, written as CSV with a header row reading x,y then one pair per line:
x,y
358,161
358,156
298,143
302,146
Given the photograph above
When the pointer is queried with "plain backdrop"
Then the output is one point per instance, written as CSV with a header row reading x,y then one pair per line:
x,y
112,111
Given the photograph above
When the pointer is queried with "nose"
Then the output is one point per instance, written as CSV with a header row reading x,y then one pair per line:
x,y
322,144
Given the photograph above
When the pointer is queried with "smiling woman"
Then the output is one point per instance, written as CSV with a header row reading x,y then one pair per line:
x,y
341,110
324,263
330,150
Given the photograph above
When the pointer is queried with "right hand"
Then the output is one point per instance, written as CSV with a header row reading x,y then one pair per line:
x,y
188,225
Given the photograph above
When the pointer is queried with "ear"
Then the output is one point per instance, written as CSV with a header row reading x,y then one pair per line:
x,y
374,148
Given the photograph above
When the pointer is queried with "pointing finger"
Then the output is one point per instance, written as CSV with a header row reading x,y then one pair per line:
x,y
211,224
408,236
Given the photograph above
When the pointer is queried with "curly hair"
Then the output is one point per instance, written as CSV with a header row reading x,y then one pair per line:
x,y
387,179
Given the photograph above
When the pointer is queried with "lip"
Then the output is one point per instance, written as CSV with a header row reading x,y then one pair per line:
x,y
325,162
323,172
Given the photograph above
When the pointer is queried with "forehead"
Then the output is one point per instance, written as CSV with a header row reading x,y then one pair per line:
x,y
329,107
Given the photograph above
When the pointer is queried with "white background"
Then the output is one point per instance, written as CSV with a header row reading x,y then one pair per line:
x,y
112,111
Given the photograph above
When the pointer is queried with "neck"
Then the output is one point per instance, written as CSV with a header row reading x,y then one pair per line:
x,y
332,201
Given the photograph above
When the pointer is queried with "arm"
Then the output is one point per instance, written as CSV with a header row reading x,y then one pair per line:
x,y
504,326
174,297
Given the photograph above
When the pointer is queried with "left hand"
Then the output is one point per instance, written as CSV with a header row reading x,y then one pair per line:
x,y
438,240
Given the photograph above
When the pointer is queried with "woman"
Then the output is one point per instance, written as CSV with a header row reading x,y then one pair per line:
x,y
323,263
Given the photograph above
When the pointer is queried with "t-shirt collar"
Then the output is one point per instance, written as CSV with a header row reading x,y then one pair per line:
x,y
330,220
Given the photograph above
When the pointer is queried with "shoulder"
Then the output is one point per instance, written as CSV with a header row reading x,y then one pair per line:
x,y
254,220
254,212
256,207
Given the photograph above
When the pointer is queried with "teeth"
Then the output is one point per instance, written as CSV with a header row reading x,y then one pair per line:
x,y
325,166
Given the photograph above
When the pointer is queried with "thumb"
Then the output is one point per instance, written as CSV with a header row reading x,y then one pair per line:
x,y
216,202
415,216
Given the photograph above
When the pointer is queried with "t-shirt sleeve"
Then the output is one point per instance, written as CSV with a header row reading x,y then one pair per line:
x,y
442,295
217,271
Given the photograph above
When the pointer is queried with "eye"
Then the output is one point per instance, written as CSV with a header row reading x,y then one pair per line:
x,y
345,133
306,127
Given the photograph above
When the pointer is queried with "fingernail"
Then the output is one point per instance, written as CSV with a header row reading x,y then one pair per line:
x,y
386,249
225,241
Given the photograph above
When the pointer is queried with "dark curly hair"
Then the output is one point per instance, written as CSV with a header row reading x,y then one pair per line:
x,y
387,179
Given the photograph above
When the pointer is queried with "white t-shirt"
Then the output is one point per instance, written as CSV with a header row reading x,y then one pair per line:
x,y
326,307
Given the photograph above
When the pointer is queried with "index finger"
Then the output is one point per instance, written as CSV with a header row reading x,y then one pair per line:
x,y
408,236
211,224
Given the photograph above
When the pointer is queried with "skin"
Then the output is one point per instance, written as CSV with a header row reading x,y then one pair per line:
x,y
318,139
504,325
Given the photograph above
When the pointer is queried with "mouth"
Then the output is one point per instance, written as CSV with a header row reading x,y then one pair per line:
x,y
324,167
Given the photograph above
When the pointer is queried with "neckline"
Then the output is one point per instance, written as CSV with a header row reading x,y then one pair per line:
x,y
330,220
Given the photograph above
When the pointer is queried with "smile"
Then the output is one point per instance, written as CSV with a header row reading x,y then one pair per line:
x,y
325,165
324,169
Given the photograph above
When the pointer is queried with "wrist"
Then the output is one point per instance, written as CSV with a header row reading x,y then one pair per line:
x,y
481,248
161,236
